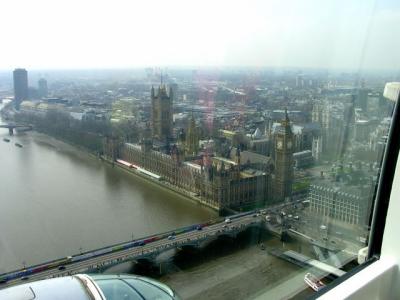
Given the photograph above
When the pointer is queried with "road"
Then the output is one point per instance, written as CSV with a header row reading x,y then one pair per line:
x,y
152,248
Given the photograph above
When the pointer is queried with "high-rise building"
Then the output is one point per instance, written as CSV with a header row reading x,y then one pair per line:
x,y
42,88
299,81
161,117
20,86
347,129
316,147
174,87
283,161
362,99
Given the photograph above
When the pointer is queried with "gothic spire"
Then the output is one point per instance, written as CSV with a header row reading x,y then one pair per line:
x,y
286,115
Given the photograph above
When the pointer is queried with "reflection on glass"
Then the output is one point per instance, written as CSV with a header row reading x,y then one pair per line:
x,y
246,169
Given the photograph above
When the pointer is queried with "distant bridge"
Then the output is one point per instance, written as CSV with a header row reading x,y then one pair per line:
x,y
11,127
196,236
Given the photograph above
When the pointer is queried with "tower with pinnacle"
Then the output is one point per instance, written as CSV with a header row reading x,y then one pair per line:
x,y
161,113
146,141
283,161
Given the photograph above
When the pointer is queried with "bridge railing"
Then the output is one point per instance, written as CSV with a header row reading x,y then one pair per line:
x,y
111,248
104,250
15,125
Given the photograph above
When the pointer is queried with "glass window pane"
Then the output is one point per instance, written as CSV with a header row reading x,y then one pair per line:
x,y
149,291
228,149
116,289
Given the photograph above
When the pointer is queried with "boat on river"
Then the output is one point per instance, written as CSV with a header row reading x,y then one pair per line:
x,y
6,140
18,145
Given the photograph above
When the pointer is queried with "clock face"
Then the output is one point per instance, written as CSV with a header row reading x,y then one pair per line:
x,y
279,145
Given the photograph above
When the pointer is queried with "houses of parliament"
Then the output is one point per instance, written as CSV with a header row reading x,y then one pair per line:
x,y
238,179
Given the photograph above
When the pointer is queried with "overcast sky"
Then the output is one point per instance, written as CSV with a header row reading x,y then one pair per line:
x,y
52,34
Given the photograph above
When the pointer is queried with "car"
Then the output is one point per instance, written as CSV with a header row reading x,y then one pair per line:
x,y
3,281
61,268
171,237
268,218
296,217
225,226
323,227
227,220
289,216
25,278
199,228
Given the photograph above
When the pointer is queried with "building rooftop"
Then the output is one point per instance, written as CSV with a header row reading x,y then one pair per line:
x,y
253,157
225,160
249,172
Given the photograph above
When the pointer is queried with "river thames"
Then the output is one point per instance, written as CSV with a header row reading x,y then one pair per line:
x,y
57,201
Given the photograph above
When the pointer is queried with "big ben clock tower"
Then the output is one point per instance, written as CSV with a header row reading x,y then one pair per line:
x,y
283,161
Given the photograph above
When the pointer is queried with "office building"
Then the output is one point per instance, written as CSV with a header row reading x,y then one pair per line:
x,y
42,88
20,77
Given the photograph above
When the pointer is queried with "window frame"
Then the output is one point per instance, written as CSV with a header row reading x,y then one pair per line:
x,y
381,197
